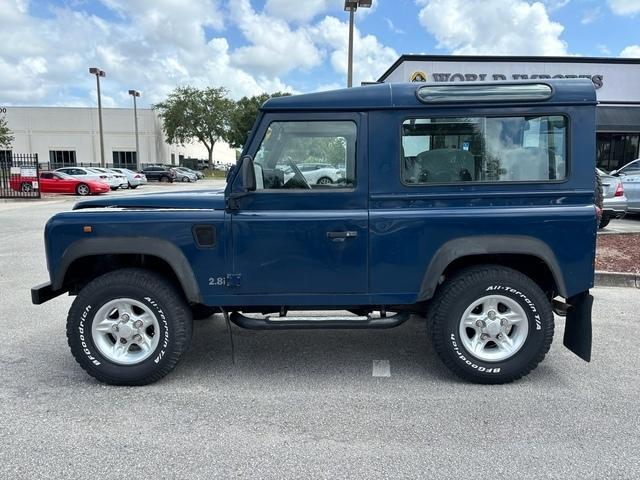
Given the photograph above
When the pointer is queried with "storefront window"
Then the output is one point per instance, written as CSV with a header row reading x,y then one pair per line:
x,y
616,149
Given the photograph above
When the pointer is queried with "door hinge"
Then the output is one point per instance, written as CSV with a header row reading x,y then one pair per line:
x,y
233,280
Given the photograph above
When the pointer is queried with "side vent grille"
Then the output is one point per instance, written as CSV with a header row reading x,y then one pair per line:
x,y
205,235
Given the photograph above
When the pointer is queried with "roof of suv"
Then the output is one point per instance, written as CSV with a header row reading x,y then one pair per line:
x,y
404,95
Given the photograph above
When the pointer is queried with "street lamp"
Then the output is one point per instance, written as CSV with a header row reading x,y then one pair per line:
x,y
134,94
351,6
99,73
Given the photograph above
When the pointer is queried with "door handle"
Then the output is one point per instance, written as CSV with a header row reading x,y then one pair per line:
x,y
341,236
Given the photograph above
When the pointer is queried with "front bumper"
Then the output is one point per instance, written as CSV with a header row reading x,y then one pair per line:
x,y
43,293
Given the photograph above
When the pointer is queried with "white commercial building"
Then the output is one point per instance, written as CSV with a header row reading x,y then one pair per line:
x,y
616,80
70,135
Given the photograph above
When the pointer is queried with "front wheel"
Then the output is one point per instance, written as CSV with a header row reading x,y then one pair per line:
x,y
26,187
164,179
129,327
324,181
491,324
604,221
83,189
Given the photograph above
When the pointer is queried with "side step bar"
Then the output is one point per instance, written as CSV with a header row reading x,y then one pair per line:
x,y
301,323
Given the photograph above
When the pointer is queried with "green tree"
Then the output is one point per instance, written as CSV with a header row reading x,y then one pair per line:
x,y
190,113
244,115
6,137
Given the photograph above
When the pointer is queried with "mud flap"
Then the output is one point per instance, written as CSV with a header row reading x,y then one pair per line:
x,y
577,331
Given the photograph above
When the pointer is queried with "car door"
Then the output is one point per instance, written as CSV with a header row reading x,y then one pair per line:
x,y
291,238
630,176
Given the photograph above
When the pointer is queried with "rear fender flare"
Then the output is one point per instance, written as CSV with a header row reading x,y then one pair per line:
x,y
488,245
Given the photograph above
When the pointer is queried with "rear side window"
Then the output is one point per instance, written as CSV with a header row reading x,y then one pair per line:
x,y
484,149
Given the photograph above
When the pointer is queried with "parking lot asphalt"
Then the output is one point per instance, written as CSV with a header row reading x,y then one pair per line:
x,y
629,224
304,404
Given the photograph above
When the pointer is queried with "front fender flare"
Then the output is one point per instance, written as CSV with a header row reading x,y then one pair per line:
x,y
163,249
488,245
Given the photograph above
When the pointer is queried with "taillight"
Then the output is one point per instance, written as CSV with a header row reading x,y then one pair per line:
x,y
619,190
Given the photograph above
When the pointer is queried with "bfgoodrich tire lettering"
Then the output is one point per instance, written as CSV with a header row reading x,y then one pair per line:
x,y
158,296
470,286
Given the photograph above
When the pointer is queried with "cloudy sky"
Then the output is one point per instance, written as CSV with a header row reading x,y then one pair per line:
x,y
252,46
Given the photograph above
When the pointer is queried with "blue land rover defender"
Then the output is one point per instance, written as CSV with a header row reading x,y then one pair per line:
x,y
470,207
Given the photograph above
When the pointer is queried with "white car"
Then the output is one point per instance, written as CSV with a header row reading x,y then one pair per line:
x,y
115,180
84,173
317,173
134,179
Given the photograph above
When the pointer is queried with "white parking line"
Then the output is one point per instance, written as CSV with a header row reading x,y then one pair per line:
x,y
381,368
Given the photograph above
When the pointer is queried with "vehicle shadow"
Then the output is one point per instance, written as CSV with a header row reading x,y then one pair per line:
x,y
309,355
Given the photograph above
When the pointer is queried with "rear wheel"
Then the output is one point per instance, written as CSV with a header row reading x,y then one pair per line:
x,y
129,327
133,187
186,179
164,179
26,187
324,181
83,189
491,324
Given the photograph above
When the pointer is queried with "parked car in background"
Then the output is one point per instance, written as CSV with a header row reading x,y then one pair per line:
x,y
317,173
116,180
186,170
87,174
184,176
615,201
630,176
134,179
160,173
58,182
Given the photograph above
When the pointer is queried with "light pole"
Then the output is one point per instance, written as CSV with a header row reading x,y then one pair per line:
x,y
351,6
99,73
134,94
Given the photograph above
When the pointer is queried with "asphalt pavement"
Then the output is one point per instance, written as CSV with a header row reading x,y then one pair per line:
x,y
304,404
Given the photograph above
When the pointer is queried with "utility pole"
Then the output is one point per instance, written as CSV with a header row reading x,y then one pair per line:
x,y
99,73
134,94
351,6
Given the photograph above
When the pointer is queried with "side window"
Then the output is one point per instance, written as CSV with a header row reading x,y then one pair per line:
x,y
290,152
633,169
484,149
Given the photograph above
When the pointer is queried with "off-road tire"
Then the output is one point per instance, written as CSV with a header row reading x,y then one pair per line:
x,y
463,289
599,196
160,296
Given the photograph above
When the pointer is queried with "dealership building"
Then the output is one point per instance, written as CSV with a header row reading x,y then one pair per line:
x,y
617,83
63,136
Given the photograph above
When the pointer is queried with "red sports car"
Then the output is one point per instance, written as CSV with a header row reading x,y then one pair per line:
x,y
58,182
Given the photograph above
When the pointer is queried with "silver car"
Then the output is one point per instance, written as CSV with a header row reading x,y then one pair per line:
x,y
615,201
630,176
134,179
183,176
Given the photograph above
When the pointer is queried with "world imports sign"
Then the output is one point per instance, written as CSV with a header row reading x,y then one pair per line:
x,y
419,76
616,80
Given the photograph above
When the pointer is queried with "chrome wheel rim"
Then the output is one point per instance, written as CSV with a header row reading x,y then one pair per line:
x,y
324,181
125,331
494,328
83,189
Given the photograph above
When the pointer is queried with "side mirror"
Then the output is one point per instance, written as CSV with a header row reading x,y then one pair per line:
x,y
614,173
247,173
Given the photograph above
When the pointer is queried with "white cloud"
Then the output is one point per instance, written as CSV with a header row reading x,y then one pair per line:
x,y
370,57
590,15
632,51
624,7
392,27
299,11
498,27
154,47
275,48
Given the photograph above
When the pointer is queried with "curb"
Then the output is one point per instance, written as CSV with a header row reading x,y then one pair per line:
x,y
617,279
